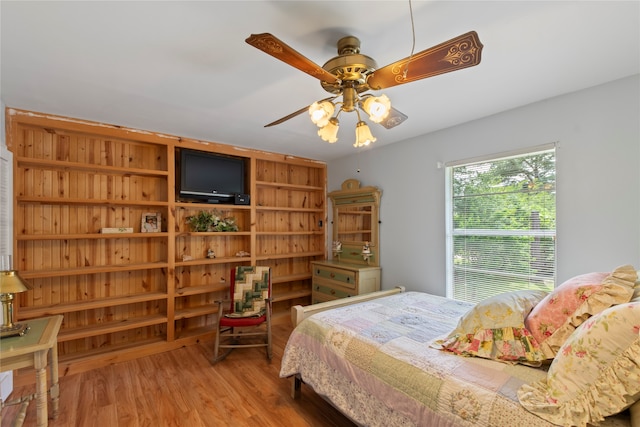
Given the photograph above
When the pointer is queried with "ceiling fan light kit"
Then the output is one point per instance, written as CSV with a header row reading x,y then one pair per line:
x,y
321,112
377,107
363,135
329,132
351,74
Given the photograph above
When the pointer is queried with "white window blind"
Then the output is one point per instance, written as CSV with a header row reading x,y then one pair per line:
x,y
501,226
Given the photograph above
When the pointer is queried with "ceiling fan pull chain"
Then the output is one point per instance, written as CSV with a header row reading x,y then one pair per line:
x,y
413,46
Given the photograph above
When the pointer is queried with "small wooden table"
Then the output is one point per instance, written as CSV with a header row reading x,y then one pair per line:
x,y
30,350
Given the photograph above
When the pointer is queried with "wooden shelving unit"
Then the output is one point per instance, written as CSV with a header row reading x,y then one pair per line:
x,y
351,271
132,294
290,217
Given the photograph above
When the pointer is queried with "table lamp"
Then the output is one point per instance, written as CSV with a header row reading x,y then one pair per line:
x,y
10,284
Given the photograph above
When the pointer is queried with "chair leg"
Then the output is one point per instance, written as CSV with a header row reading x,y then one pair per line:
x,y
269,351
216,347
217,357
220,358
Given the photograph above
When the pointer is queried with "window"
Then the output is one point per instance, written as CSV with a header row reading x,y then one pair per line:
x,y
501,225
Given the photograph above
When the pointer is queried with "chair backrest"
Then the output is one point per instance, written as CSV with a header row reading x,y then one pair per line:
x,y
250,286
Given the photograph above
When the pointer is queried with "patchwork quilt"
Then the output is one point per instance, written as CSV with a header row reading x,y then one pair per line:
x,y
375,362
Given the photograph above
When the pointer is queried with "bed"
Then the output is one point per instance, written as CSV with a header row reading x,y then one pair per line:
x,y
375,360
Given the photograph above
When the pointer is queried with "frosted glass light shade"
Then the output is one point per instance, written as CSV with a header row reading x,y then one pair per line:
x,y
320,113
363,135
377,107
329,132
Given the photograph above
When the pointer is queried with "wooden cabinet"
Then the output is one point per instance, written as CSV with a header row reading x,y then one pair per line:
x,y
354,269
130,294
356,223
333,280
201,278
290,216
68,185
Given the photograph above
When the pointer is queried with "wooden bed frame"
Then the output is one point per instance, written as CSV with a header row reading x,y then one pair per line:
x,y
299,312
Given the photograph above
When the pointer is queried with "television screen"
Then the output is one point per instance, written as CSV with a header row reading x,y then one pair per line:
x,y
210,177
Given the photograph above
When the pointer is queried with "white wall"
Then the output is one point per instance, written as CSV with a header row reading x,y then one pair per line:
x,y
598,182
6,378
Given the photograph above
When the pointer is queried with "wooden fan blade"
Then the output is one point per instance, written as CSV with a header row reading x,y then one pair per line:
x,y
271,45
394,118
455,54
296,113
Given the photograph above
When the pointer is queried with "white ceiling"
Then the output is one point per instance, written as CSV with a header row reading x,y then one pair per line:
x,y
183,68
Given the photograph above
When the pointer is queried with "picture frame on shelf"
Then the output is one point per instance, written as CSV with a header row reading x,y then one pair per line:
x,y
151,222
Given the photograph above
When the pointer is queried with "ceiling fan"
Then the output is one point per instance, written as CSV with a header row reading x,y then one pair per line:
x,y
352,75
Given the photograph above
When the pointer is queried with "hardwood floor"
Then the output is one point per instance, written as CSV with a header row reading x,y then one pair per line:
x,y
182,388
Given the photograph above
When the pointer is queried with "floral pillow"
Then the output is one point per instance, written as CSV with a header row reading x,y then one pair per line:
x,y
494,329
596,372
553,320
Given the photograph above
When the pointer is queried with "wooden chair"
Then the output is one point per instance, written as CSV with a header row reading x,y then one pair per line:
x,y
247,320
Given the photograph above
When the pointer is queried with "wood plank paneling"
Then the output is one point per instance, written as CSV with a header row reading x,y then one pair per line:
x,y
129,294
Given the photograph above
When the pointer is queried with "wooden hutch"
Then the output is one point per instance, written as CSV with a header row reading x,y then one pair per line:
x,y
126,295
355,266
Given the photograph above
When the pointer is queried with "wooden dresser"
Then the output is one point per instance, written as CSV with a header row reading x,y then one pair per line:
x,y
355,265
333,280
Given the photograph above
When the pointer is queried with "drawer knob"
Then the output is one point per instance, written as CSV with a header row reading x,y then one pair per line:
x,y
332,275
333,291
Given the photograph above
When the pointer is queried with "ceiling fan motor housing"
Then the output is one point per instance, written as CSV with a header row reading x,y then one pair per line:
x,y
350,66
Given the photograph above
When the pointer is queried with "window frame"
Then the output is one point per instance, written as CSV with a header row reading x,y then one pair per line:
x,y
450,232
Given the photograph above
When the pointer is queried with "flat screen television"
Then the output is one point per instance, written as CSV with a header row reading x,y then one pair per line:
x,y
208,177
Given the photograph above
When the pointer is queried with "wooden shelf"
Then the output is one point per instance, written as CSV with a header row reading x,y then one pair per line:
x,y
202,289
187,313
220,260
50,310
290,278
61,165
290,255
211,206
110,327
287,186
214,233
70,201
289,233
287,209
92,236
91,270
285,296
350,233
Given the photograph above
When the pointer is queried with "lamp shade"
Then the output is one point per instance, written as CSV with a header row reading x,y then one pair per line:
x,y
12,283
321,112
377,107
363,135
329,132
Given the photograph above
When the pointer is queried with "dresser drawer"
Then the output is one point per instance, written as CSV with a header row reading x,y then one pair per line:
x,y
344,277
317,297
332,291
